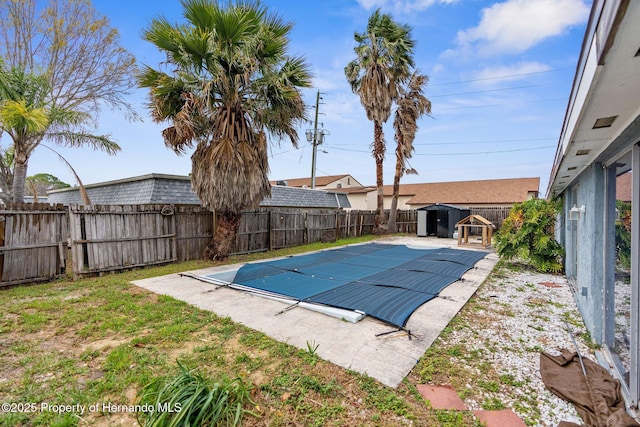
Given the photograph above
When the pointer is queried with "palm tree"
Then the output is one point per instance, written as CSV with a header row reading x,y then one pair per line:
x,y
384,57
230,84
28,116
411,105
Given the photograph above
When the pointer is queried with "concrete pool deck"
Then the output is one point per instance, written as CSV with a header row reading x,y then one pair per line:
x,y
356,346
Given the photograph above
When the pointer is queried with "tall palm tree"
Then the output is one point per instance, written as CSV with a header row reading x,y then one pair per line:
x,y
411,105
384,57
230,84
28,116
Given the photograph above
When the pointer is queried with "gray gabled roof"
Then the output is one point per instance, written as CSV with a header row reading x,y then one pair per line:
x,y
293,197
176,189
145,189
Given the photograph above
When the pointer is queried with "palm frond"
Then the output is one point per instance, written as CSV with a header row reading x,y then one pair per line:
x,y
81,139
83,191
21,118
230,85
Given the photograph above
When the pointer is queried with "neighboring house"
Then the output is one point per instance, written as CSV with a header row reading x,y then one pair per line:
x,y
623,187
322,182
490,192
598,143
176,189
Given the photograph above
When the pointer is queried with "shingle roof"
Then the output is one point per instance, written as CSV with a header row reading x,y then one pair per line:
x,y
304,197
320,180
176,189
623,187
145,189
490,191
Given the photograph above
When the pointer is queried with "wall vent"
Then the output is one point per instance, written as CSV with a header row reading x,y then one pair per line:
x,y
604,122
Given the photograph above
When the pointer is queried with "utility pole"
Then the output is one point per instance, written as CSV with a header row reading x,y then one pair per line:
x,y
315,144
315,137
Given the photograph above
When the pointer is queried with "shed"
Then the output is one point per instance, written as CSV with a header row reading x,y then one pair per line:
x,y
466,225
440,219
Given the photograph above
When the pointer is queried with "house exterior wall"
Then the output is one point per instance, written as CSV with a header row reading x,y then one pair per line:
x,y
358,201
585,261
344,182
402,202
589,157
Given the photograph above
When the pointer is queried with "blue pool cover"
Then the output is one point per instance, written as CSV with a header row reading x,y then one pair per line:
x,y
388,282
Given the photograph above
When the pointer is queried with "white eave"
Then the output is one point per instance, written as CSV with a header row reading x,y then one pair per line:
x,y
607,85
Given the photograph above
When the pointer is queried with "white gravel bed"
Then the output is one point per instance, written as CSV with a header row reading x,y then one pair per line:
x,y
520,318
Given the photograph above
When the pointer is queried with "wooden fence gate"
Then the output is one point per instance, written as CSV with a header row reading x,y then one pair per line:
x,y
33,242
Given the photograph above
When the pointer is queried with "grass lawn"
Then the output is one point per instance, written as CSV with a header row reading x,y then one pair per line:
x,y
97,342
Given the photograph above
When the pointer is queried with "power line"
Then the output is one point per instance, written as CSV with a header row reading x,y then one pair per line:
x,y
455,154
501,105
485,91
509,76
489,141
486,141
485,152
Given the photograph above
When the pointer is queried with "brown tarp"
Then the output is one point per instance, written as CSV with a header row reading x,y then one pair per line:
x,y
597,398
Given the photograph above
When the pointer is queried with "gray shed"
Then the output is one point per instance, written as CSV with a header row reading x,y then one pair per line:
x,y
440,219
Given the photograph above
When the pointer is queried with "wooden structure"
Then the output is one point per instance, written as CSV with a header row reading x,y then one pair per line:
x,y
40,242
33,243
468,224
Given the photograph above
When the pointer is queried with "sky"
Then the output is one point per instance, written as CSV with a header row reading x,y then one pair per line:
x,y
500,75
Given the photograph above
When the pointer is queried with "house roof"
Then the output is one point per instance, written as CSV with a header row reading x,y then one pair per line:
x,y
490,191
623,187
144,189
176,189
320,180
602,113
354,190
305,197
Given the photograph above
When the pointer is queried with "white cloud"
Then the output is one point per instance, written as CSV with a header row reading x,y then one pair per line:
x,y
516,25
404,6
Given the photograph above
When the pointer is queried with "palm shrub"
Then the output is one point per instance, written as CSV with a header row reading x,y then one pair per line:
x,y
527,234
190,399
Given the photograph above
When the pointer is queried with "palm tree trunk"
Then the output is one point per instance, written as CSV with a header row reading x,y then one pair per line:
x,y
392,226
224,237
20,162
378,153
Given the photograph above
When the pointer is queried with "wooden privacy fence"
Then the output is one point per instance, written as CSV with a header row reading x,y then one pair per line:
x,y
276,228
495,214
33,242
110,238
36,239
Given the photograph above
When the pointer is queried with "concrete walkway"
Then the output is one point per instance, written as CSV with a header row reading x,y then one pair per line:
x,y
356,346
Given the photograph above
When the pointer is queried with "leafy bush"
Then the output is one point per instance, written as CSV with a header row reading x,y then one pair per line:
x,y
527,234
189,399
623,234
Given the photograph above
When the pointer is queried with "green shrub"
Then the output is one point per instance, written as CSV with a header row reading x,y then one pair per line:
x,y
527,234
623,234
189,399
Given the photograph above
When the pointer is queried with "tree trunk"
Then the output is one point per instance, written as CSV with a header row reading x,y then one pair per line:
x,y
224,236
378,154
20,162
392,226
